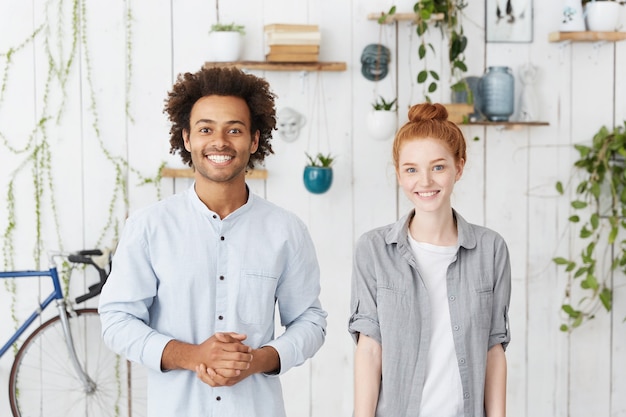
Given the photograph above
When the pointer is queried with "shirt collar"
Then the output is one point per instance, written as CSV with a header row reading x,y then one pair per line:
x,y
199,205
399,231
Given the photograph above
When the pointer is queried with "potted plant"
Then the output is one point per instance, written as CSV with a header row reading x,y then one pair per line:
x,y
602,15
318,173
226,40
382,120
599,203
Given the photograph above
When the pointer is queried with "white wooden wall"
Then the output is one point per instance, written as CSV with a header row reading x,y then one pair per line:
x,y
508,183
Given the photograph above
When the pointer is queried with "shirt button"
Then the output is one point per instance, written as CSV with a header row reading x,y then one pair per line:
x,y
218,398
221,317
221,237
461,361
221,277
215,216
452,298
456,327
466,395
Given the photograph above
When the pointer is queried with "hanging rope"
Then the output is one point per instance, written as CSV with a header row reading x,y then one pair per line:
x,y
379,51
319,116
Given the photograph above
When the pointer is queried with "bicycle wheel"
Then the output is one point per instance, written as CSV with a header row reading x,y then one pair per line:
x,y
43,381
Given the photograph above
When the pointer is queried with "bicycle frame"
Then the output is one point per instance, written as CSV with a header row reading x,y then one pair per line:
x,y
55,295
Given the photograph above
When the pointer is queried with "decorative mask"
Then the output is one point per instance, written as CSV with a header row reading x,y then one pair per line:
x,y
375,61
289,122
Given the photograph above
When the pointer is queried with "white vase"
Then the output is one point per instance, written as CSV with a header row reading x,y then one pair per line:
x,y
225,46
602,16
382,124
572,18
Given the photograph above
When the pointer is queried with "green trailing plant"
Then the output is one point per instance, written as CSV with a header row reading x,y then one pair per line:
x,y
320,160
445,15
382,104
599,204
63,33
451,26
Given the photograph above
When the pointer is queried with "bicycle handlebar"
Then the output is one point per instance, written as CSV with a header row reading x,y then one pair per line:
x,y
85,257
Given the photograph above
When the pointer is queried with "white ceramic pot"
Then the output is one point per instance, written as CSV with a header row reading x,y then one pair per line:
x,y
225,46
602,16
382,124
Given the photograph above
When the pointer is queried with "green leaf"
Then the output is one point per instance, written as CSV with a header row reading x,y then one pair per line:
x,y
560,261
421,51
570,311
578,321
589,283
422,76
559,187
585,233
574,219
432,87
460,65
606,297
577,204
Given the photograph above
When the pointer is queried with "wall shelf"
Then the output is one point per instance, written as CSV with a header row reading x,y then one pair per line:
x,y
255,174
512,125
402,17
281,66
587,36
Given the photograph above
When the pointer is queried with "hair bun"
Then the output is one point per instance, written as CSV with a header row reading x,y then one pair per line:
x,y
428,111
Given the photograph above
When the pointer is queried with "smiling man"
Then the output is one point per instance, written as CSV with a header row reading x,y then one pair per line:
x,y
196,277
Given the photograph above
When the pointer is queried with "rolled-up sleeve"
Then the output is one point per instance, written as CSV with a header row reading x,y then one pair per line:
x,y
500,332
363,306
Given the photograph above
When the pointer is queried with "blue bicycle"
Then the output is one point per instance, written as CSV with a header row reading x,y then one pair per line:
x,y
63,368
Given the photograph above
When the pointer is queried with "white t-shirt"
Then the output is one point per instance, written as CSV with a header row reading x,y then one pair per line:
x,y
443,392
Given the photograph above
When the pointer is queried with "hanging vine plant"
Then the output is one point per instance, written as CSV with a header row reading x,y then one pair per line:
x,y
64,37
599,203
445,15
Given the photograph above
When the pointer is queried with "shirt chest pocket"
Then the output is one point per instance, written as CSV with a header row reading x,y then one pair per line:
x,y
256,297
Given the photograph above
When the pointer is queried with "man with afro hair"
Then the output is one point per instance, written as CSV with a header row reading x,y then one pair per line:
x,y
196,277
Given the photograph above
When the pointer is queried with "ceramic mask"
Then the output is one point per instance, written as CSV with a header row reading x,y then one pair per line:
x,y
289,122
375,62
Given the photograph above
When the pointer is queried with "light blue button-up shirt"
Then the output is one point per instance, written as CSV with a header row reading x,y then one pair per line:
x,y
180,272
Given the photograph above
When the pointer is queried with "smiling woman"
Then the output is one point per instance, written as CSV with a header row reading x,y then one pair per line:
x,y
441,275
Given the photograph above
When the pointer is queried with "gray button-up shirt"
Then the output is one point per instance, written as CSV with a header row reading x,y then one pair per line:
x,y
390,304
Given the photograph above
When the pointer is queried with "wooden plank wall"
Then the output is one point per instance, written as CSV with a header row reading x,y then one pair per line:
x,y
508,183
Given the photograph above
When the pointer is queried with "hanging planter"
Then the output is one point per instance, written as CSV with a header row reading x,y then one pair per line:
x,y
382,121
318,173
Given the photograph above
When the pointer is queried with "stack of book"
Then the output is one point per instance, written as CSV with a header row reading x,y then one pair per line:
x,y
292,42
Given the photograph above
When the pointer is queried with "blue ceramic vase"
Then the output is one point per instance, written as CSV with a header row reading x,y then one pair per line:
x,y
317,179
497,94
